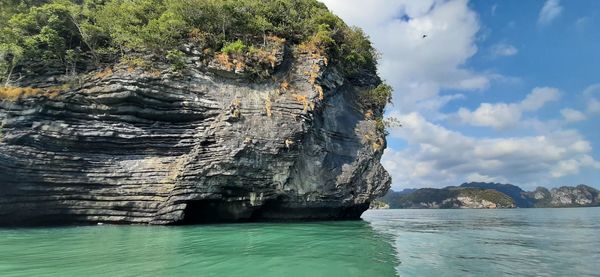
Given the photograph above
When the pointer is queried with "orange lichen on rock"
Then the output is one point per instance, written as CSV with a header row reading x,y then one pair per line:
x,y
104,73
56,90
264,56
308,105
154,73
319,90
240,66
285,85
13,93
223,59
275,39
310,47
378,144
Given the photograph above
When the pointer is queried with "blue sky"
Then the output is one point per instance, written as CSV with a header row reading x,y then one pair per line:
x,y
502,91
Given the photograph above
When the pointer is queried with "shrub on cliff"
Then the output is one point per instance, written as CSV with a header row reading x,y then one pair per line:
x,y
377,98
105,30
71,36
236,47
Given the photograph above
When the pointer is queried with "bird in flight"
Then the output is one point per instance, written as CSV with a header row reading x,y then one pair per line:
x,y
424,36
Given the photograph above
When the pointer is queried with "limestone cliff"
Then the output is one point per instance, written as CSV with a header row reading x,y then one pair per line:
x,y
488,195
452,198
579,196
133,145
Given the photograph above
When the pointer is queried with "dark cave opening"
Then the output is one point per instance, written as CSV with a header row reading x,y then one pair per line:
x,y
220,211
215,211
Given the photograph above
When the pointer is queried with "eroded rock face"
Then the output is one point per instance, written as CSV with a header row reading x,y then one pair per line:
x,y
131,146
566,196
474,203
574,196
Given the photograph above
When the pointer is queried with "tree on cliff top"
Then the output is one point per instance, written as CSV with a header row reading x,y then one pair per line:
x,y
40,34
108,29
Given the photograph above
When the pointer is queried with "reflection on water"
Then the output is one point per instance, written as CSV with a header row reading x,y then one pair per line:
x,y
299,249
532,242
521,242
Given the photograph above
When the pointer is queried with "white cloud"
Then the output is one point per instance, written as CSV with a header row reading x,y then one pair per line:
x,y
592,95
440,157
539,97
503,50
505,116
550,11
592,90
573,166
571,115
476,177
498,116
418,68
594,106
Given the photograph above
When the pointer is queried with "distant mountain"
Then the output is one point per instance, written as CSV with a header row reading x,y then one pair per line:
x,y
391,196
452,197
493,195
579,196
379,205
521,198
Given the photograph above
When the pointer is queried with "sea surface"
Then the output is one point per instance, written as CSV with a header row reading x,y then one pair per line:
x,y
518,242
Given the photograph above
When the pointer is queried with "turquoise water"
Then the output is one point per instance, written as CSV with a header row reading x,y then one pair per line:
x,y
523,242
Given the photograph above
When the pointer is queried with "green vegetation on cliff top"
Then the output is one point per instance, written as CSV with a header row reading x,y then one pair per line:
x,y
68,37
64,33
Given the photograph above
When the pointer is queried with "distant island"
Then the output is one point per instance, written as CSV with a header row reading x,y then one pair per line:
x,y
478,195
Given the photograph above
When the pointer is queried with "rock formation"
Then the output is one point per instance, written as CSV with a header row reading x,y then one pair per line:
x,y
579,196
452,198
521,198
490,195
378,205
130,145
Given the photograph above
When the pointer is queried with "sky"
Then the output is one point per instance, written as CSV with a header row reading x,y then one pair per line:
x,y
498,91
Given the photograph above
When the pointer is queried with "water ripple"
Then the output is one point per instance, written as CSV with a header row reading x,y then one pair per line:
x,y
522,242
